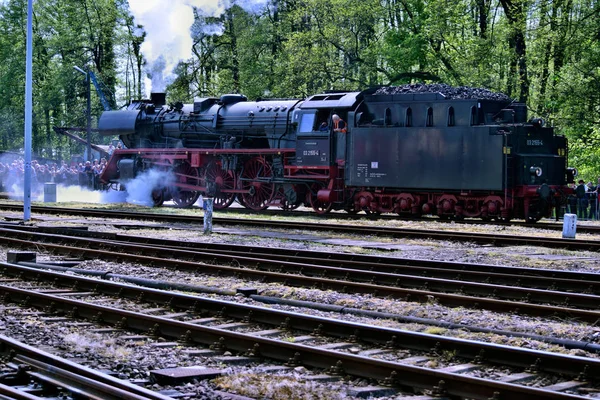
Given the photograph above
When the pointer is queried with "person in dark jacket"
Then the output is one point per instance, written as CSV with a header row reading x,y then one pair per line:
x,y
88,173
592,195
581,199
572,203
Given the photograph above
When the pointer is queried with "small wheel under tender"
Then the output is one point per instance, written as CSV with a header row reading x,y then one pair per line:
x,y
320,207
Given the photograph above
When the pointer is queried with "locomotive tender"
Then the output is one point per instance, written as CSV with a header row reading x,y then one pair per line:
x,y
412,150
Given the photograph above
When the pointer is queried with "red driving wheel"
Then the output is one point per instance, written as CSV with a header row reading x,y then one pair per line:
x,y
257,183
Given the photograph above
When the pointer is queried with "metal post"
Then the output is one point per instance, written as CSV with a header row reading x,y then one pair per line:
x,y
208,214
89,116
569,226
28,114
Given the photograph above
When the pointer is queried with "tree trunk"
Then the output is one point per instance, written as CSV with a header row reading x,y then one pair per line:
x,y
49,131
235,64
547,52
515,13
482,14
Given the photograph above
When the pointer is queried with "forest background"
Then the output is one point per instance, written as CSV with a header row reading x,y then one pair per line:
x,y
542,52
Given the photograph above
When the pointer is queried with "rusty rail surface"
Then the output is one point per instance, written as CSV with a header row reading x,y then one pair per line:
x,y
520,277
550,279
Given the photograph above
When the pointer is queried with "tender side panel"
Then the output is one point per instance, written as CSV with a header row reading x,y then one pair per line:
x,y
452,158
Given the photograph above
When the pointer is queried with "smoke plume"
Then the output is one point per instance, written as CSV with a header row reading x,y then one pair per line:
x,y
156,74
169,31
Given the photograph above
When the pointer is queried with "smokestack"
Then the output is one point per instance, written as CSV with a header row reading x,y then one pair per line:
x,y
159,99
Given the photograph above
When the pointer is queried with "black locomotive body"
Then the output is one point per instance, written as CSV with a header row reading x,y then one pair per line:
x,y
406,152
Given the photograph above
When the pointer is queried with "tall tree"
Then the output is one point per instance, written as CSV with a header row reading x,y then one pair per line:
x,y
66,33
515,12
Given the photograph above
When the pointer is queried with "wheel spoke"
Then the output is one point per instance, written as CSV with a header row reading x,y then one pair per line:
x,y
185,173
256,180
223,180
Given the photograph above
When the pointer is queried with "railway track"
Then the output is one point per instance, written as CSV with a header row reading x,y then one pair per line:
x,y
544,224
564,296
480,238
399,359
488,273
309,213
30,374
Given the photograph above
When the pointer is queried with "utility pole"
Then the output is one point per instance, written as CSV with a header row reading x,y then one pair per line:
x,y
88,111
28,113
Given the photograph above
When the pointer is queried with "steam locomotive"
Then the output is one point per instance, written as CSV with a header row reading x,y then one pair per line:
x,y
412,150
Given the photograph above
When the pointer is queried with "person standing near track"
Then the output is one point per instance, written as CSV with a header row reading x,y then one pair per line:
x,y
592,196
581,199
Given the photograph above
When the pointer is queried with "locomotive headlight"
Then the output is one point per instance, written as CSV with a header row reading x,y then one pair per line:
x,y
535,171
573,172
537,122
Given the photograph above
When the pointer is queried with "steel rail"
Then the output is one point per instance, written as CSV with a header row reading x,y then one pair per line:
x,y
591,229
390,217
499,274
10,393
566,281
66,373
156,257
396,373
555,280
481,238
365,273
352,331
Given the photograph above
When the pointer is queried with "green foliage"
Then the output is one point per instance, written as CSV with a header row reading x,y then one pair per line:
x,y
65,33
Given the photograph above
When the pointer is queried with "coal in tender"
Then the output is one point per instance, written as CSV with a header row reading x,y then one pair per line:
x,y
450,92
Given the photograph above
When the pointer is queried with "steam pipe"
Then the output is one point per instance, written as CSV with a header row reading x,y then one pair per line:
x,y
287,122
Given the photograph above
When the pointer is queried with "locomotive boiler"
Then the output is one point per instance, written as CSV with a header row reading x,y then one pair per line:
x,y
412,150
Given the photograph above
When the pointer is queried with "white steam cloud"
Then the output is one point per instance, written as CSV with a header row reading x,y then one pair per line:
x,y
64,194
168,28
139,190
156,74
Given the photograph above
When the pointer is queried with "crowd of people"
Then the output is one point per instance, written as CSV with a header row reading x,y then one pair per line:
x,y
84,174
584,202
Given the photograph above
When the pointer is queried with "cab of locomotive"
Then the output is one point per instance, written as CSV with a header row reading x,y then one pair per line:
x,y
317,144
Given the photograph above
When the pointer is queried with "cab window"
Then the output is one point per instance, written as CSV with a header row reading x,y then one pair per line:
x,y
307,123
